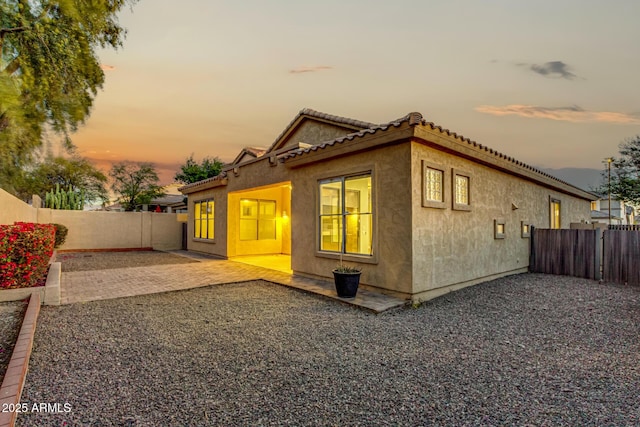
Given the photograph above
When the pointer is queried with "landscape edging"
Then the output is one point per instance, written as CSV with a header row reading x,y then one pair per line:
x,y
14,378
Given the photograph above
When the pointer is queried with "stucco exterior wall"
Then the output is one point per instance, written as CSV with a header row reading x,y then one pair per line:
x,y
13,209
117,230
452,249
99,230
390,266
315,133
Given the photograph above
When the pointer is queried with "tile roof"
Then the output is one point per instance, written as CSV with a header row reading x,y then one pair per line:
x,y
413,119
308,112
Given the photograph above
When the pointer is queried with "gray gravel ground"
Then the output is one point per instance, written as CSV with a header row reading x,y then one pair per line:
x,y
83,261
524,350
11,315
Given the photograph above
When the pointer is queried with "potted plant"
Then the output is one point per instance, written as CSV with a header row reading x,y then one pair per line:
x,y
347,279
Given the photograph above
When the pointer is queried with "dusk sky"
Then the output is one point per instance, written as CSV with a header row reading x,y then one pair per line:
x,y
551,83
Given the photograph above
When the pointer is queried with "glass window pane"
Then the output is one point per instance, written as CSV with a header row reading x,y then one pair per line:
x,y
331,233
248,229
196,210
249,209
210,234
203,226
358,234
462,190
433,184
358,194
267,209
266,229
196,233
210,209
330,195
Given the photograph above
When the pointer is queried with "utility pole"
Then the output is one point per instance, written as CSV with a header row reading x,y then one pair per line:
x,y
609,160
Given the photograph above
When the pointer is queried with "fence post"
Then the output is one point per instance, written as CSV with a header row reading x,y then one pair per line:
x,y
532,252
598,254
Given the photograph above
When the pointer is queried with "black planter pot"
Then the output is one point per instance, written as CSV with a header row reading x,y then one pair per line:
x,y
346,284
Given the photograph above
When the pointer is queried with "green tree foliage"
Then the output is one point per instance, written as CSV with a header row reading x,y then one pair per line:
x,y
135,184
76,173
625,173
192,171
49,70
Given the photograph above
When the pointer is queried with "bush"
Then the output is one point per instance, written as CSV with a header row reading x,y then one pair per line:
x,y
61,235
25,250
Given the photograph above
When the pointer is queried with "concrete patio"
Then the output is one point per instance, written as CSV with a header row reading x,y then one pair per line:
x,y
84,286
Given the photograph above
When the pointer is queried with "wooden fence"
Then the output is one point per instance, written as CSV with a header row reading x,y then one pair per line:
x,y
566,252
612,255
621,260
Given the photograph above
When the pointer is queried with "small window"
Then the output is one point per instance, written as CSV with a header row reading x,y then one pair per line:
x,y
498,228
525,228
204,219
461,191
555,213
434,188
594,206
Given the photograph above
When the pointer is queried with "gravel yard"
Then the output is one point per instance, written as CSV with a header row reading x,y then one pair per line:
x,y
11,315
523,350
82,261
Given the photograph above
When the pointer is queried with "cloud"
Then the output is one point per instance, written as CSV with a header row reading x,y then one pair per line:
x,y
574,114
310,69
106,67
551,69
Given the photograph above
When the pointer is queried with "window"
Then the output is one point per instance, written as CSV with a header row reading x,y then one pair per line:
x,y
434,186
525,228
203,219
554,211
498,228
257,219
594,206
461,191
346,218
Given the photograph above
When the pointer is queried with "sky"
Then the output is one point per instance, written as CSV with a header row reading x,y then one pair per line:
x,y
552,83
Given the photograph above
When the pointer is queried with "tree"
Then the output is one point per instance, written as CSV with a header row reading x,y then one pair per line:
x,y
625,173
75,174
49,70
135,184
191,171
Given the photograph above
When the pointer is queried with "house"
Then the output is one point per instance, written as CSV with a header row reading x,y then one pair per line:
x,y
421,209
622,213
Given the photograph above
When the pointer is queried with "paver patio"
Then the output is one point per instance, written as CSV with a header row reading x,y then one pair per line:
x,y
83,286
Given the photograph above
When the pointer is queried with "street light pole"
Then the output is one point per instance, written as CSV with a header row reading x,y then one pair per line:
x,y
609,160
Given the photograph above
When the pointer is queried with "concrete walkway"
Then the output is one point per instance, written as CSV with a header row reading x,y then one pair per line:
x,y
83,286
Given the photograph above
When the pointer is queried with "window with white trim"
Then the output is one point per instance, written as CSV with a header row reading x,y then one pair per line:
x,y
555,210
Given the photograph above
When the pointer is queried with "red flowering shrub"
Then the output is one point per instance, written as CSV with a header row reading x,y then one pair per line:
x,y
25,249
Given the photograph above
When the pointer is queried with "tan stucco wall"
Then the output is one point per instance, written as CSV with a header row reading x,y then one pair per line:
x,y
315,133
13,209
237,247
117,230
390,266
453,248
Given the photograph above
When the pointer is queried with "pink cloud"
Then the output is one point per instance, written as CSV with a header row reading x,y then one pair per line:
x,y
106,67
573,114
310,69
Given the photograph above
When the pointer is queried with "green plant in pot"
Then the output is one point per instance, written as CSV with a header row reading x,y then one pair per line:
x,y
346,279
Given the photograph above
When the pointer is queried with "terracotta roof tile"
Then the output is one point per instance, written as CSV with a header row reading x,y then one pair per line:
x,y
413,119
324,116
